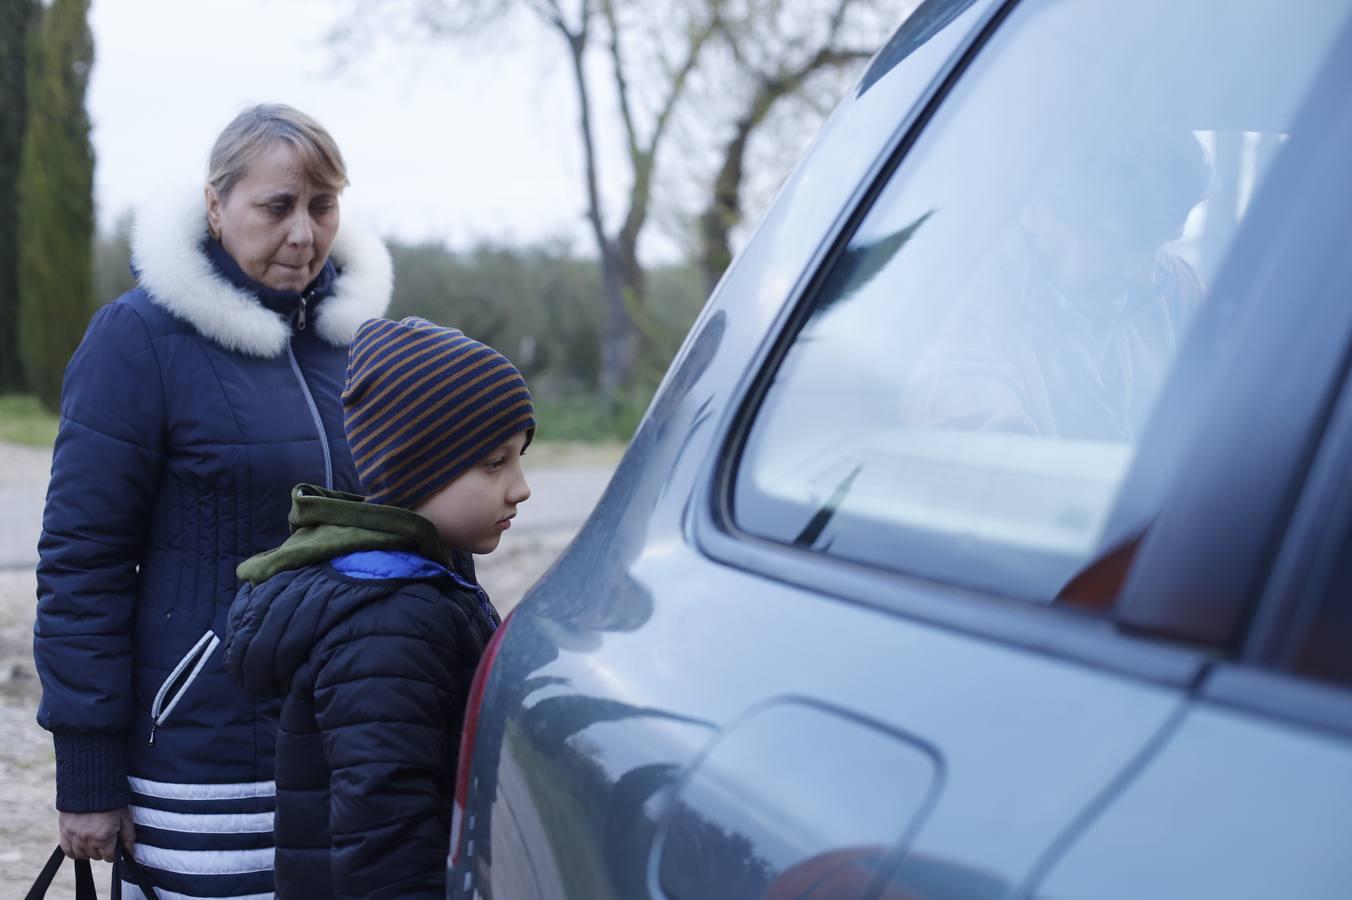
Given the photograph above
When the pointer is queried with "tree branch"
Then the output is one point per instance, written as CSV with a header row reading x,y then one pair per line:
x,y
621,80
552,14
837,21
725,208
644,157
577,47
698,39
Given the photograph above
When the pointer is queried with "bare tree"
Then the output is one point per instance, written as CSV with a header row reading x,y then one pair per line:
x,y
676,36
746,56
776,49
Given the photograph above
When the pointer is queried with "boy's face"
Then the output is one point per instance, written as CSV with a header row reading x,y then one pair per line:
x,y
472,512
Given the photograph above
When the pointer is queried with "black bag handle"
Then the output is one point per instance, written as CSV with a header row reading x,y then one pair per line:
x,y
126,867
84,878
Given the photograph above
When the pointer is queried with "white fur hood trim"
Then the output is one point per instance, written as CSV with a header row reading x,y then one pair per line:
x,y
167,256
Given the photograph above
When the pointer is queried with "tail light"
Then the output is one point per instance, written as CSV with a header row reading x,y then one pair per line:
x,y
468,730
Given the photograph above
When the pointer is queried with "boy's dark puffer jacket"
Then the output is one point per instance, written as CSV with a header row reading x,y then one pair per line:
x,y
361,625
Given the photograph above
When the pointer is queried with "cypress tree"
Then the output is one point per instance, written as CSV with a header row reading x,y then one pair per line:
x,y
15,17
56,203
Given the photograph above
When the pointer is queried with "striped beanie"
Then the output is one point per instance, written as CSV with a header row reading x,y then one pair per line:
x,y
423,404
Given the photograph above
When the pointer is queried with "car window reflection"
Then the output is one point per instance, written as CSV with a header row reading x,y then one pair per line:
x,y
1073,316
967,392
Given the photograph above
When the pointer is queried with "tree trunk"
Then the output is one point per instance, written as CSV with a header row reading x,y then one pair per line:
x,y
618,345
633,293
725,208
725,205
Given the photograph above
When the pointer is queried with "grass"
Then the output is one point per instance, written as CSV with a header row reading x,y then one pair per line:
x,y
24,421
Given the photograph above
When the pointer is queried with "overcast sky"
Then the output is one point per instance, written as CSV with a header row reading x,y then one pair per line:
x,y
449,144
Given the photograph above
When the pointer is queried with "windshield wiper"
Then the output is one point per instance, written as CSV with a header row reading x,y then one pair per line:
x,y
822,517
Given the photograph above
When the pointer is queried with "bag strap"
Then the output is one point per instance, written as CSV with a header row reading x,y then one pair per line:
x,y
125,867
84,878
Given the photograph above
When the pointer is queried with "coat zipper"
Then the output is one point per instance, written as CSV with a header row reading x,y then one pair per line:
x,y
310,400
197,658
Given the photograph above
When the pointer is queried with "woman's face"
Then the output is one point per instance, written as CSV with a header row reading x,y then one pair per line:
x,y
276,223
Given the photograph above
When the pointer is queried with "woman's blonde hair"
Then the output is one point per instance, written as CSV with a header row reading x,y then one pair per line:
x,y
260,127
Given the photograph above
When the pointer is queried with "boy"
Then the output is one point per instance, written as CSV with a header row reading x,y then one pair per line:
x,y
363,624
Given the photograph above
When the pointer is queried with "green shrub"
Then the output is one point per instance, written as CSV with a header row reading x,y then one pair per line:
x,y
584,419
16,18
24,421
56,204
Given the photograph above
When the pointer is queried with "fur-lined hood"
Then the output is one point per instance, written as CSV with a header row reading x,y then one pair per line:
x,y
168,259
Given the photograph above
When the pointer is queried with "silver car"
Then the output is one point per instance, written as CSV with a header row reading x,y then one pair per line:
x,y
991,534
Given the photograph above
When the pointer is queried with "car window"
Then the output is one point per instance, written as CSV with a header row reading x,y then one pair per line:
x,y
967,389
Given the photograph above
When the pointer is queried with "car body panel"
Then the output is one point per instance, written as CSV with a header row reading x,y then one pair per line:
x,y
1019,732
1242,810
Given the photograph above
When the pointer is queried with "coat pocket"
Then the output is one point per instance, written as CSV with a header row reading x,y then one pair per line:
x,y
180,680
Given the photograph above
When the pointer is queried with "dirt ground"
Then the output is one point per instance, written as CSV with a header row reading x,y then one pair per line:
x,y
27,767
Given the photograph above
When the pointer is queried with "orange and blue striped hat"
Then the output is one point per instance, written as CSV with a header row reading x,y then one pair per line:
x,y
423,403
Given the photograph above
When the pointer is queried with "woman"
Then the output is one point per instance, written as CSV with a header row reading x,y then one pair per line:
x,y
193,405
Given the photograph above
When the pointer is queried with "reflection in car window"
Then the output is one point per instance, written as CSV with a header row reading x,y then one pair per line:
x,y
965,396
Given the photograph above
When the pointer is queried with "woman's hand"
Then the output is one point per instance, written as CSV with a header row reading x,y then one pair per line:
x,y
94,835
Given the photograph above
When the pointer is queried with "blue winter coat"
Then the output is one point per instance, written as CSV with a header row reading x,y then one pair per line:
x,y
192,406
374,651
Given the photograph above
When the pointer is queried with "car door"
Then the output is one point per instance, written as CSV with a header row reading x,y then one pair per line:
x,y
1246,795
